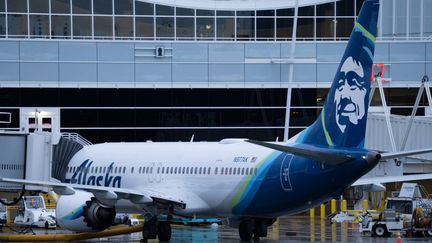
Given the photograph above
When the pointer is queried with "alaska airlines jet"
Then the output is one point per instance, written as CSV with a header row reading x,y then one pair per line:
x,y
250,183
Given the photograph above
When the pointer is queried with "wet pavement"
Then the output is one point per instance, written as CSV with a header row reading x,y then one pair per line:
x,y
289,229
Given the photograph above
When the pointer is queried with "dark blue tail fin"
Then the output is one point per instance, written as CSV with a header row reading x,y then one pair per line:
x,y
342,122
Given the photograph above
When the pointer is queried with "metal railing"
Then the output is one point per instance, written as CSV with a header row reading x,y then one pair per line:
x,y
77,138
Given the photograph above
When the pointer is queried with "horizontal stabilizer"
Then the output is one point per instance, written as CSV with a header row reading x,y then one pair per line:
x,y
393,155
309,151
388,179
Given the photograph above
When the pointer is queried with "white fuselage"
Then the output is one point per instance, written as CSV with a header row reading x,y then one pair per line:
x,y
206,175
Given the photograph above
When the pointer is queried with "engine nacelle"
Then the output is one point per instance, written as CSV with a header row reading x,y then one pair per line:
x,y
82,212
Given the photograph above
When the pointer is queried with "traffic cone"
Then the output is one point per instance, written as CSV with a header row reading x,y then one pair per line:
x,y
398,239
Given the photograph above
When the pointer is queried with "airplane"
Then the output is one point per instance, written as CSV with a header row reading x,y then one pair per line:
x,y
249,183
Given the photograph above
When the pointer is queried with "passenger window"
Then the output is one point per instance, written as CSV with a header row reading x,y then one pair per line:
x,y
91,170
132,170
183,170
256,170
196,170
230,171
200,170
147,170
243,170
124,170
115,170
222,171
151,170
104,170
175,170
158,170
216,170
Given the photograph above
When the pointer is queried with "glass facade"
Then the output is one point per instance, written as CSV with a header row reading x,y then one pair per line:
x,y
231,84
177,114
131,19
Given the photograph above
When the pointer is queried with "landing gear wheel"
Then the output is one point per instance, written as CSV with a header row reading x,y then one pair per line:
x,y
246,229
260,229
46,225
380,230
164,231
428,232
150,229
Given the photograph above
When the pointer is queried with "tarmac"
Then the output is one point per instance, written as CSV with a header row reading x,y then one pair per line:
x,y
287,229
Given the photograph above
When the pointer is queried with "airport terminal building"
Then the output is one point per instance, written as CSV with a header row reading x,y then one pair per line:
x,y
164,70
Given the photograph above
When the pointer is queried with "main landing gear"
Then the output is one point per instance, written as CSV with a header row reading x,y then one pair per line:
x,y
255,228
153,229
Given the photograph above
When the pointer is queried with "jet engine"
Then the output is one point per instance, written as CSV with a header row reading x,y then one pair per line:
x,y
82,212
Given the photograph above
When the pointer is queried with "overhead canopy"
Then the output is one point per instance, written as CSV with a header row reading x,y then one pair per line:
x,y
236,4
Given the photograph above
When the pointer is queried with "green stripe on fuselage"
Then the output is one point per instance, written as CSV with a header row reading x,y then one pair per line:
x,y
247,180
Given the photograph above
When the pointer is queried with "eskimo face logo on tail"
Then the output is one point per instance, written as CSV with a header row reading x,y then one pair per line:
x,y
80,176
350,94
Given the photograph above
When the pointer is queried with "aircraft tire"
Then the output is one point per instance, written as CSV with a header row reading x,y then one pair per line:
x,y
150,229
246,229
164,231
260,229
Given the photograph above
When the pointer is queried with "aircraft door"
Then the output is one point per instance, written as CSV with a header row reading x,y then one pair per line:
x,y
285,173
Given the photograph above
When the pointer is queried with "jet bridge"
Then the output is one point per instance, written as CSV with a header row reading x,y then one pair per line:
x,y
36,156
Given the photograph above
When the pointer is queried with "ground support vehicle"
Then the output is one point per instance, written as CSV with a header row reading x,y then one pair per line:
x,y
32,212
